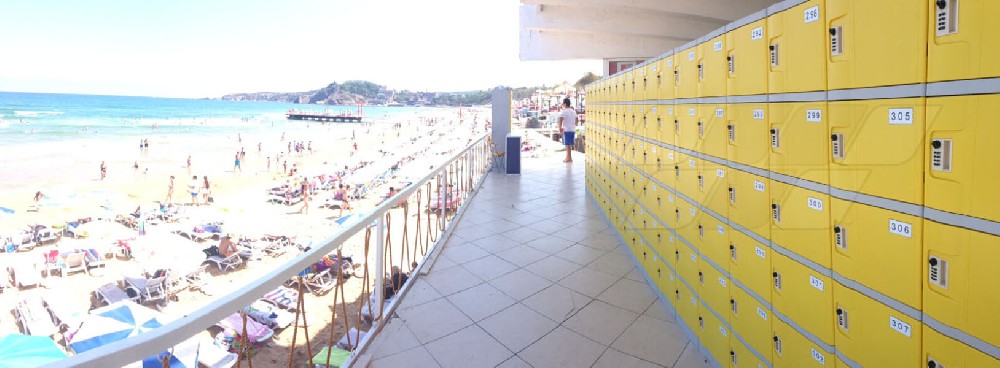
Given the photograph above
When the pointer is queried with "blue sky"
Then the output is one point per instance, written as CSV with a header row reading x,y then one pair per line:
x,y
207,48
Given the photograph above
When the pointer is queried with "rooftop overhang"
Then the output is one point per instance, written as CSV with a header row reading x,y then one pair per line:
x,y
606,29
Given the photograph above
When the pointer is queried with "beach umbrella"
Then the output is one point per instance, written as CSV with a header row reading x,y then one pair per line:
x,y
122,320
350,219
6,211
17,351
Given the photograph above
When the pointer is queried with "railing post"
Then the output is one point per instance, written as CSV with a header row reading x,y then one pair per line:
x,y
379,266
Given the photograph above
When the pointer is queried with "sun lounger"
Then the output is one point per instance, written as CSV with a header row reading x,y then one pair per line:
x,y
337,358
283,297
147,289
212,356
65,316
269,314
255,331
75,262
111,293
43,234
26,274
318,282
226,263
34,318
351,339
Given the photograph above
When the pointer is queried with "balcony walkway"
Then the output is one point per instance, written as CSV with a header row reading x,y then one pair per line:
x,y
533,277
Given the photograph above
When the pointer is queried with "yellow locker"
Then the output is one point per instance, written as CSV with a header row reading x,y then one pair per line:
x,y
686,304
803,295
667,80
668,209
713,288
750,264
799,140
632,113
665,124
713,240
864,324
686,169
961,172
747,134
649,129
945,352
747,59
687,262
749,201
878,248
790,349
800,222
751,320
962,40
640,83
686,126
663,243
664,279
712,67
714,336
711,130
663,160
687,72
687,220
713,183
864,161
960,280
740,355
867,49
796,48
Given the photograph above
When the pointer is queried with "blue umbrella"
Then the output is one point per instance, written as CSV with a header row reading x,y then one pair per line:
x,y
5,210
350,218
23,351
119,321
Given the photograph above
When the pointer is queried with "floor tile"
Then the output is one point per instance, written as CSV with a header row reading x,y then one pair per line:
x,y
469,347
552,268
550,225
613,264
433,320
495,243
514,362
631,295
517,327
691,358
416,357
636,275
601,322
489,267
522,255
549,244
442,262
652,339
615,359
462,253
580,254
452,280
588,281
523,234
658,311
602,242
562,348
480,301
500,226
420,292
520,284
394,338
557,302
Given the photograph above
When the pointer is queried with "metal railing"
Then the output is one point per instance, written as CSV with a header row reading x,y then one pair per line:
x,y
436,198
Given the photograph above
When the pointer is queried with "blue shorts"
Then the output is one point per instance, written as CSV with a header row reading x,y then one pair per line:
x,y
568,138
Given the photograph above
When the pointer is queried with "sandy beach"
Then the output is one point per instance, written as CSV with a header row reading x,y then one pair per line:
x,y
72,183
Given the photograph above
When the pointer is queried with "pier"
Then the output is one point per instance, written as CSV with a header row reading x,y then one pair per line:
x,y
326,116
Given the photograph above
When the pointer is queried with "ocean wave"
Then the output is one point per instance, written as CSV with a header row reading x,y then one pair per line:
x,y
35,113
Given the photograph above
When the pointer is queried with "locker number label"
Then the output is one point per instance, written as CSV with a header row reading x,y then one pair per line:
x,y
762,313
758,186
722,230
722,330
816,283
757,33
719,113
720,173
692,211
722,281
691,55
901,116
717,46
815,203
760,252
691,112
899,326
814,116
812,14
818,356
758,114
900,228
691,163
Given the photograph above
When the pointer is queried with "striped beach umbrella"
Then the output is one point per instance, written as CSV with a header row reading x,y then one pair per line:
x,y
120,321
23,351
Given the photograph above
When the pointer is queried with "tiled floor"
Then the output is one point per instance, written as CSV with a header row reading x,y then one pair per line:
x,y
533,277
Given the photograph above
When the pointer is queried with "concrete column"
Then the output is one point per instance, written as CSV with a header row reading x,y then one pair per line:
x,y
501,117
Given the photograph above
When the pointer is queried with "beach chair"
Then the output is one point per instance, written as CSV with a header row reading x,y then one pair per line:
x,y
318,282
43,234
26,274
52,262
111,293
147,289
213,356
499,163
269,314
65,316
94,258
226,263
75,262
337,358
34,318
255,331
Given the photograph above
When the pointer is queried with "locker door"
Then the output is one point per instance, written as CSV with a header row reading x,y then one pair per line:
x,y
664,280
641,81
747,59
750,264
686,126
686,303
741,356
665,124
797,48
872,334
714,336
961,172
751,320
714,240
800,222
663,169
893,267
628,85
687,262
713,288
668,81
803,295
632,118
960,276
687,73
663,244
863,160
946,352
687,221
652,130
712,67
654,79
749,201
686,169
747,134
799,140
714,187
793,350
962,40
875,43
712,130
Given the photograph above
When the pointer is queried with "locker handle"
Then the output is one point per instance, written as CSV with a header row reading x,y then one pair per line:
x,y
936,144
772,49
729,58
836,229
774,206
732,247
775,338
840,311
933,261
833,31
774,274
941,4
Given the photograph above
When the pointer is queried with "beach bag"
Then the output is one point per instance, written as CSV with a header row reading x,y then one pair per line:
x,y
211,251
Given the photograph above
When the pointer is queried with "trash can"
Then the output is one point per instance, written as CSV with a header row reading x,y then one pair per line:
x,y
513,155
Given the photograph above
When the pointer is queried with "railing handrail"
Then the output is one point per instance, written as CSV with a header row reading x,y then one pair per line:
x,y
132,349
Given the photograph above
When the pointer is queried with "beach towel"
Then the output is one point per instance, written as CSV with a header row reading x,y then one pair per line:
x,y
255,331
283,297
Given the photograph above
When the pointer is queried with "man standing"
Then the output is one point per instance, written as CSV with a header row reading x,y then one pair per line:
x,y
567,127
170,192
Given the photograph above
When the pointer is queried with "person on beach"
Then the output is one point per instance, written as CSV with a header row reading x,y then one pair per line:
x,y
38,198
170,191
104,170
305,196
206,190
567,127
189,164
236,166
193,189
341,195
268,163
284,167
